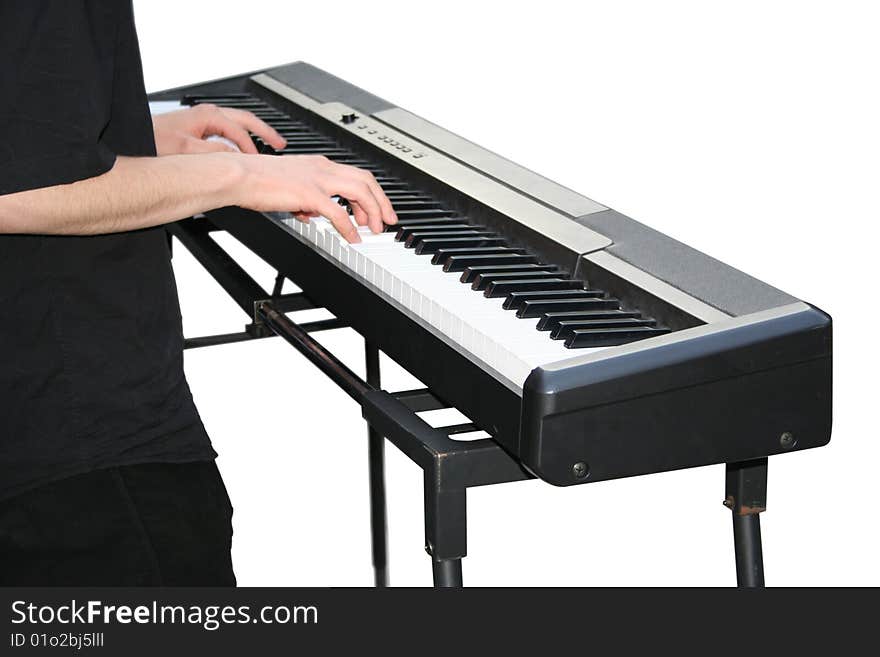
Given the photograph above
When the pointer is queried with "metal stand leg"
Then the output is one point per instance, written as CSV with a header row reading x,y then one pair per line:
x,y
445,528
279,285
447,574
746,497
377,482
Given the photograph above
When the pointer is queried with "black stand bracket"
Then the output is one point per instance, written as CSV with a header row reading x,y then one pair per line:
x,y
195,235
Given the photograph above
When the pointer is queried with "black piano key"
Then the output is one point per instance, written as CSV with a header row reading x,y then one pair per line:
x,y
335,153
258,109
404,195
194,99
408,194
475,241
470,273
414,237
503,288
565,328
249,104
425,214
309,147
549,321
267,115
537,307
431,230
388,183
263,147
450,223
330,152
375,169
515,300
294,127
482,280
462,262
361,163
304,139
412,205
229,101
296,134
343,158
581,338
443,255
293,134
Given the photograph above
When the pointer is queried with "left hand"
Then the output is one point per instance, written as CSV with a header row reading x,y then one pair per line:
x,y
185,131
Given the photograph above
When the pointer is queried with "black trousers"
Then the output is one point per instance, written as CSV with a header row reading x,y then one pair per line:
x,y
155,524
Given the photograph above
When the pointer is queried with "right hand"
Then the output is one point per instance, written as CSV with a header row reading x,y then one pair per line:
x,y
304,185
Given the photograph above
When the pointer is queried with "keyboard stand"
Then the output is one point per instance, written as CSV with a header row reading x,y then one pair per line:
x,y
450,467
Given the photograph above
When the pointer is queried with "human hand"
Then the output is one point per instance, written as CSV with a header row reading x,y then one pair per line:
x,y
304,185
185,131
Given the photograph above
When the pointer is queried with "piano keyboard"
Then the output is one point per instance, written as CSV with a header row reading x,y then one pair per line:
x,y
588,345
498,304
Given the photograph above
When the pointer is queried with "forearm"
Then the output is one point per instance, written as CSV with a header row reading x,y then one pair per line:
x,y
135,193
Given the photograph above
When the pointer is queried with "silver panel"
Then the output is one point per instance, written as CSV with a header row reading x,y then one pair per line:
x,y
522,209
501,169
658,288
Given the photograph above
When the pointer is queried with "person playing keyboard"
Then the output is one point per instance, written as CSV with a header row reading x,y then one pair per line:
x,y
107,474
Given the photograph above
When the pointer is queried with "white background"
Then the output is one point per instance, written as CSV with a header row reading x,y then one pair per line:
x,y
748,130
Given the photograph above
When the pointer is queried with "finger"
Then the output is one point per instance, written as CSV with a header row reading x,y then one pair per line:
x,y
389,216
259,127
356,190
339,218
386,211
229,129
359,215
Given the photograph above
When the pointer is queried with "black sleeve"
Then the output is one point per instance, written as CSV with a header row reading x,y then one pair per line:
x,y
56,90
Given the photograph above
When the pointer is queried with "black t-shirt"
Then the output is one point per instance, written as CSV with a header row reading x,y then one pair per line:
x,y
91,368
